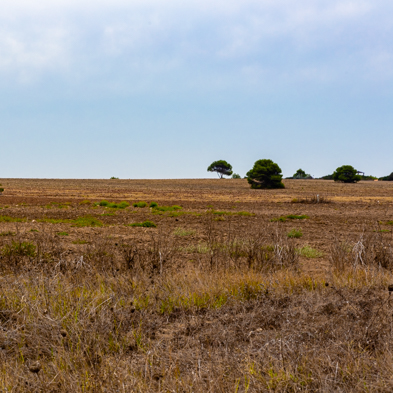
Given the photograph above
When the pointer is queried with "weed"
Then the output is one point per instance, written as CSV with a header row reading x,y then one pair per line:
x,y
295,233
309,252
167,208
153,204
62,233
85,202
289,217
19,249
145,224
183,232
55,220
8,233
34,230
120,205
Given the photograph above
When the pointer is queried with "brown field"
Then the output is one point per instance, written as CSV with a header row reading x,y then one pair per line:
x,y
216,298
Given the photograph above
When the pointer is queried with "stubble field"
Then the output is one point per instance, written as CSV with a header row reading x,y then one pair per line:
x,y
229,289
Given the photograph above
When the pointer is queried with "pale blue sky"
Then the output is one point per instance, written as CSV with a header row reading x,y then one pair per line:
x,y
160,89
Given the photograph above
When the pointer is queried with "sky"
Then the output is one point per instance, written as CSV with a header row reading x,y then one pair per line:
x,y
160,89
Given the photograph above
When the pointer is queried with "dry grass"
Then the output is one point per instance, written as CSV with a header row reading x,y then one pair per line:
x,y
239,317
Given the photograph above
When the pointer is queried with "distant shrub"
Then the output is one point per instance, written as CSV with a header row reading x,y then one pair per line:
x,y
387,178
300,174
327,177
85,202
153,204
140,204
236,176
114,178
346,174
145,224
167,208
1,189
79,241
265,174
103,203
121,205
62,233
295,233
289,217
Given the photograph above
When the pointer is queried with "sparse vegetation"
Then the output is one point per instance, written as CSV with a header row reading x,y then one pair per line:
x,y
120,205
62,233
295,233
387,178
1,189
184,232
290,217
236,176
309,252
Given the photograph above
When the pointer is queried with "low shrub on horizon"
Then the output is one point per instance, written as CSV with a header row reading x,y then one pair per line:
x,y
140,204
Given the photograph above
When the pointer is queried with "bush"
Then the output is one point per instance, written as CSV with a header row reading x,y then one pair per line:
x,y
87,221
346,174
121,205
236,176
1,189
19,249
387,178
145,224
153,204
140,204
300,174
265,174
114,178
221,167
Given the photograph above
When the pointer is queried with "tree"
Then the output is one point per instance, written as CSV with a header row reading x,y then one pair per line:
x,y
221,167
236,176
265,174
387,178
300,174
346,174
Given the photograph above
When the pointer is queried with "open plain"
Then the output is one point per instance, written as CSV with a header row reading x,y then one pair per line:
x,y
215,287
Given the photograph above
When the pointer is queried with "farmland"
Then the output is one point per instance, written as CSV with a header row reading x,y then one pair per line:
x,y
214,288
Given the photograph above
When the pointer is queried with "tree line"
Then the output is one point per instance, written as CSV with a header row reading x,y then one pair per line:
x,y
267,174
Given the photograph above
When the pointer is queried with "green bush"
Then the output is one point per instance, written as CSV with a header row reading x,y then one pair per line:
x,y
62,233
167,208
121,205
140,204
1,189
265,174
300,174
295,233
145,224
236,176
222,168
309,252
387,178
11,219
114,178
346,174
153,204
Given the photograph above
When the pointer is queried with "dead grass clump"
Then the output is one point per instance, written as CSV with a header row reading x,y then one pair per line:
x,y
314,199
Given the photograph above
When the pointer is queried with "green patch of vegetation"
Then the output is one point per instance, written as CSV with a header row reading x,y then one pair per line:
x,y
386,222
140,204
289,217
167,208
144,224
55,220
383,231
295,233
62,233
19,249
114,178
183,232
226,213
201,248
120,205
153,204
7,233
80,241
11,219
85,202
108,214
309,252
87,221
34,230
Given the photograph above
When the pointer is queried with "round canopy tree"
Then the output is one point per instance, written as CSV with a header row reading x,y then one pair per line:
x,y
346,174
265,174
221,167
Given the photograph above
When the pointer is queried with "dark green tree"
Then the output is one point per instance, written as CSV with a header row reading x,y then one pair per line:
x,y
346,174
236,176
221,167
300,174
265,174
1,189
387,178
